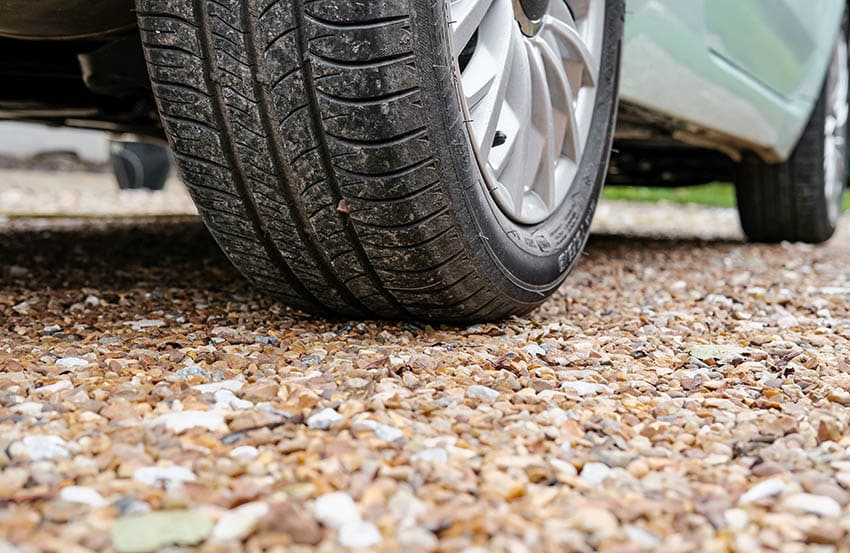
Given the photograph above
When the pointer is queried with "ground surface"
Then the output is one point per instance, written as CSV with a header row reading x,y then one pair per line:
x,y
139,374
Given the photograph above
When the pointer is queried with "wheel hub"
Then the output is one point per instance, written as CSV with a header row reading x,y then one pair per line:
x,y
529,14
529,74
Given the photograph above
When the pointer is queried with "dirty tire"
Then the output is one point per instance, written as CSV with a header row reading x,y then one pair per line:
x,y
139,165
788,201
324,144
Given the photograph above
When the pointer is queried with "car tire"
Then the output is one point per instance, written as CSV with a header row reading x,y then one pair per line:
x,y
328,147
800,200
140,165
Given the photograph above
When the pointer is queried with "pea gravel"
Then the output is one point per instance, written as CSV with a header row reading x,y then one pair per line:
x,y
675,395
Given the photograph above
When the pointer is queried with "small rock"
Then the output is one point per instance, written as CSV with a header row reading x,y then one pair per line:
x,y
82,494
595,473
324,419
41,448
12,480
825,534
335,510
145,323
213,387
72,362
422,362
153,531
534,350
582,388
227,400
736,519
174,475
359,534
721,352
482,392
57,386
245,453
431,455
763,490
644,539
180,421
292,519
240,522
819,505
192,371
382,431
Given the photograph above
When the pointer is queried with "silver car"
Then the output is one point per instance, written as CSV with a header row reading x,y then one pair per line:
x,y
443,159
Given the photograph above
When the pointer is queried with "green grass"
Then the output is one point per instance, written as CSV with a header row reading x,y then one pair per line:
x,y
716,195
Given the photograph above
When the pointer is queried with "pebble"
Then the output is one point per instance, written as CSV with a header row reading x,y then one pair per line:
x,y
431,455
359,534
181,421
382,431
582,388
819,505
245,453
594,474
213,387
173,475
153,531
335,510
40,448
324,419
763,490
239,523
72,362
482,392
82,494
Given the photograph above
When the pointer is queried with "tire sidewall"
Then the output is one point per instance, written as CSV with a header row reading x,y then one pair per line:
x,y
527,262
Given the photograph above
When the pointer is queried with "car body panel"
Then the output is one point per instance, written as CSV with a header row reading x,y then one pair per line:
x,y
750,71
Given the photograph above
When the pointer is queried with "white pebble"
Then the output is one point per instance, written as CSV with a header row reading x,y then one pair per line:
x,y
335,510
359,534
534,349
595,473
57,386
213,387
227,400
245,453
820,505
180,421
382,431
43,448
82,494
324,419
482,392
736,519
582,388
239,523
71,362
762,490
431,455
166,475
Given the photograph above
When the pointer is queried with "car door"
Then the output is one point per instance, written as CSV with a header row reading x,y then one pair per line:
x,y
748,70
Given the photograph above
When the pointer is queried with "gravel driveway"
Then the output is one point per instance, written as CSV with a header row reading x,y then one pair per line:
x,y
675,395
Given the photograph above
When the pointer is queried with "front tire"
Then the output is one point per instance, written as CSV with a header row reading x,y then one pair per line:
x,y
800,200
328,147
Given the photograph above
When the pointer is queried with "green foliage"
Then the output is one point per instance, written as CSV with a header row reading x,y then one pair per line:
x,y
716,195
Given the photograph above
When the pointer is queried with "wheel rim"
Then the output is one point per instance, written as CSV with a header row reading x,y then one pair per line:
x,y
835,131
529,75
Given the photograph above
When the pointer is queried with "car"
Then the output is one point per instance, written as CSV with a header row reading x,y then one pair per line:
x,y
443,160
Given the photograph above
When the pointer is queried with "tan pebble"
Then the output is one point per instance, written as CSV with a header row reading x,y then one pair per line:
x,y
825,534
294,520
638,468
12,480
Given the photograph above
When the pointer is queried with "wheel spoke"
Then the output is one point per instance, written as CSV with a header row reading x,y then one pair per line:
x,y
543,117
570,37
467,16
568,139
487,111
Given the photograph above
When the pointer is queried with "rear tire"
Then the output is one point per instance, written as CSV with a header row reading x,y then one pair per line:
x,y
326,147
140,165
800,200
